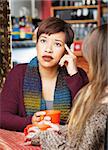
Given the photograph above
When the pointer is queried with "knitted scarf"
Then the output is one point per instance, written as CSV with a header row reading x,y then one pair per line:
x,y
32,90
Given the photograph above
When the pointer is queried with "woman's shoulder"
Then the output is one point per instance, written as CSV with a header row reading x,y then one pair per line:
x,y
94,129
99,116
102,107
18,71
103,104
19,68
97,120
81,71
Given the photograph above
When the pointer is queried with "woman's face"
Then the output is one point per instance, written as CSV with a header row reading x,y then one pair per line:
x,y
50,49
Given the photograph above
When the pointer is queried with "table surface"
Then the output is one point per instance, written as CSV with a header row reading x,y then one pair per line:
x,y
11,140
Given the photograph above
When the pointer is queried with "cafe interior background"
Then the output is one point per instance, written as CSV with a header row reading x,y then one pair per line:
x,y
19,18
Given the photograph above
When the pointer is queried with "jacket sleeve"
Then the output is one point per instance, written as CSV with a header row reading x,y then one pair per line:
x,y
77,81
12,115
52,140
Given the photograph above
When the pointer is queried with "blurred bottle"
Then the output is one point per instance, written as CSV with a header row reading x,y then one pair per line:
x,y
77,33
94,2
85,13
73,14
105,1
95,13
62,3
82,30
88,2
67,2
72,3
84,2
79,14
73,27
90,27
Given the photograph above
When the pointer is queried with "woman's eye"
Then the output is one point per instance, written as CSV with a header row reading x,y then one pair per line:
x,y
58,44
42,40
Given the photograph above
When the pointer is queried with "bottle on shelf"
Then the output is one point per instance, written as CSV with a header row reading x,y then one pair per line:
x,y
88,2
73,14
105,1
84,2
85,13
62,3
77,32
79,15
82,30
95,14
94,2
82,15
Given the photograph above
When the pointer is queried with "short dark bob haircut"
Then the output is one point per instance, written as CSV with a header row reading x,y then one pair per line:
x,y
53,25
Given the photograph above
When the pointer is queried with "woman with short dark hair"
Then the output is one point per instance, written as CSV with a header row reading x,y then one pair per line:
x,y
49,81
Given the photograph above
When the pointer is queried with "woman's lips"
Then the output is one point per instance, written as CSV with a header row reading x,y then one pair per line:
x,y
47,58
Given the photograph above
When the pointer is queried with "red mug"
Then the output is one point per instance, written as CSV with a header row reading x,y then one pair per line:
x,y
55,118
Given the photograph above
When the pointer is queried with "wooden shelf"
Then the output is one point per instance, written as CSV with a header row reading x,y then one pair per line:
x,y
23,44
93,21
73,7
81,21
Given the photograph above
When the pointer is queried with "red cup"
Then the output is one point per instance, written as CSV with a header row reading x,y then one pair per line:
x,y
43,127
55,118
54,114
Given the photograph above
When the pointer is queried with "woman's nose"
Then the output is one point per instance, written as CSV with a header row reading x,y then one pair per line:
x,y
49,48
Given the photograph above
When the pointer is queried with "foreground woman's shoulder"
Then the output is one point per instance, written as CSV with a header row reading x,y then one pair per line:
x,y
103,106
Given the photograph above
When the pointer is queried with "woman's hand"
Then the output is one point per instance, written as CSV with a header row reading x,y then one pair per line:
x,y
53,127
41,118
69,60
38,116
31,131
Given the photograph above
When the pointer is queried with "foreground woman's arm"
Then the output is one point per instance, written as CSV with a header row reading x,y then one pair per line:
x,y
92,138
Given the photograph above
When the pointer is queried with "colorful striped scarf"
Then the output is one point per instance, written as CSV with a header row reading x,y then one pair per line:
x,y
33,91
